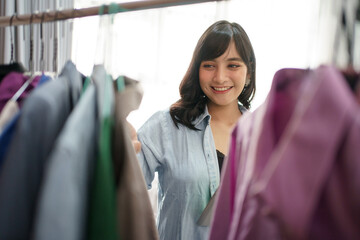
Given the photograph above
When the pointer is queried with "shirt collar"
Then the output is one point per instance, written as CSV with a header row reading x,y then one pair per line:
x,y
205,116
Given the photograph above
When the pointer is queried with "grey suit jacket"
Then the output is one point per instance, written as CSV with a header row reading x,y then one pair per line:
x,y
42,117
62,208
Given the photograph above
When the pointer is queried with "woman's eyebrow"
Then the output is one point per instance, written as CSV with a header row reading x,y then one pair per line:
x,y
235,59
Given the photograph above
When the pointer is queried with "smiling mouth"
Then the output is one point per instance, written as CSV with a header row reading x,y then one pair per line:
x,y
221,89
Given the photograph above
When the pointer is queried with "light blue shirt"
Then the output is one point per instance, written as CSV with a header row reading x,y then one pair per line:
x,y
188,172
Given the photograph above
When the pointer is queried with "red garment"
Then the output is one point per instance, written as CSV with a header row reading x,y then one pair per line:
x,y
293,170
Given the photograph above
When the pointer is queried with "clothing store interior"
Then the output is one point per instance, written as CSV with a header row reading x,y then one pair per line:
x,y
82,81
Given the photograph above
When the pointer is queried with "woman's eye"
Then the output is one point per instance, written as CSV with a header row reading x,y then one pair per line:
x,y
208,66
234,65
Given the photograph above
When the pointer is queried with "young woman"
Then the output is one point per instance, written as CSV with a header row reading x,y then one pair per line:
x,y
186,143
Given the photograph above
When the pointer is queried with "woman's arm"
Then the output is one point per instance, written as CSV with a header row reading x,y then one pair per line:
x,y
134,139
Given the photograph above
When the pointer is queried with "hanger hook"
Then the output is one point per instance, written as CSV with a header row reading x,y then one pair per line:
x,y
55,50
31,66
11,39
42,42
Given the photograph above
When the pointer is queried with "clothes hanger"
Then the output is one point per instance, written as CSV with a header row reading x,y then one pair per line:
x,y
41,70
13,66
33,75
114,8
100,49
42,44
55,44
104,36
351,76
31,61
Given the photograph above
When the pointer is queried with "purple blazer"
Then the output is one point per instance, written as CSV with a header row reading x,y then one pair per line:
x,y
11,83
293,168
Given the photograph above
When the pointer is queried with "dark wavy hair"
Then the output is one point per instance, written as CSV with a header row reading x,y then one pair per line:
x,y
212,44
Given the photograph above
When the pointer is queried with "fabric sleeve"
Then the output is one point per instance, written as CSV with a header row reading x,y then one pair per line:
x,y
152,138
232,177
351,172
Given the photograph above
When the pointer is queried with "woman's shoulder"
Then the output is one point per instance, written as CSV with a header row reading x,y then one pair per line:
x,y
157,121
159,116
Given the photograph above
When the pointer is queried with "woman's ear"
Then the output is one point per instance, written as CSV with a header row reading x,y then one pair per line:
x,y
248,80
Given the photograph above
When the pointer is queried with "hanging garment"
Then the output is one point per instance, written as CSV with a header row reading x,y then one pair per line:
x,y
352,78
293,170
5,69
8,119
102,209
62,207
357,93
11,84
42,117
10,109
6,136
134,213
44,79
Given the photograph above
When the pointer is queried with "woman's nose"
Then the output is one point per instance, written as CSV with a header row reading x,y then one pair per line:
x,y
220,75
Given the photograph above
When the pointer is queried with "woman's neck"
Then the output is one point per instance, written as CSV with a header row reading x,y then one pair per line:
x,y
227,115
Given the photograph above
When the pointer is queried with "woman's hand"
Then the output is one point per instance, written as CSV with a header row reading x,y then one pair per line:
x,y
134,139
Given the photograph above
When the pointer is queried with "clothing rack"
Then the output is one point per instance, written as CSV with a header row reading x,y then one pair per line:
x,y
51,16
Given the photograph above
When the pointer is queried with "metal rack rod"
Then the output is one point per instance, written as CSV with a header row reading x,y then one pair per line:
x,y
50,16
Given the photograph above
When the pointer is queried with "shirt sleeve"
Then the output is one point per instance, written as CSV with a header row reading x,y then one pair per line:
x,y
152,138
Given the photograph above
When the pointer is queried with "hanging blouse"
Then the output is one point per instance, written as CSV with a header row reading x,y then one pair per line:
x,y
294,164
11,83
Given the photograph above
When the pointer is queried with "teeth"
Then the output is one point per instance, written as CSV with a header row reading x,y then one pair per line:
x,y
222,88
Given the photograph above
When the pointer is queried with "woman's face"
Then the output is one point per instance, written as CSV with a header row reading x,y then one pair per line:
x,y
223,79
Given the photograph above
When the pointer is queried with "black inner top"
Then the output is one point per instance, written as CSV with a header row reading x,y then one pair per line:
x,y
220,157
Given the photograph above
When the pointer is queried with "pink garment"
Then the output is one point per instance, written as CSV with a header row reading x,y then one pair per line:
x,y
13,82
293,169
357,93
